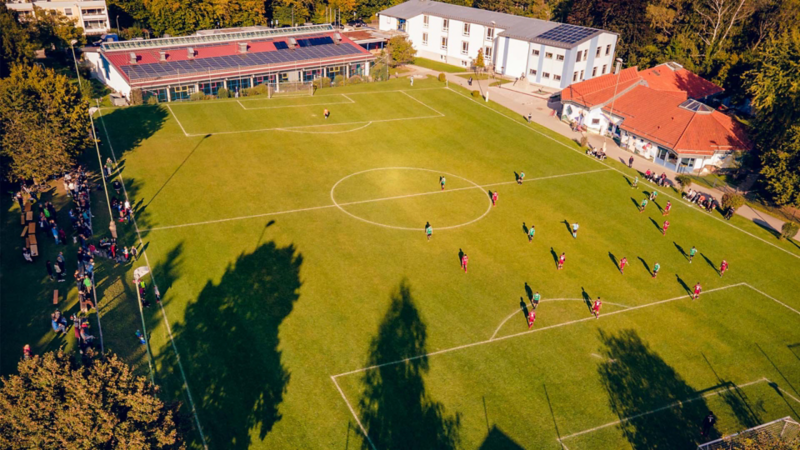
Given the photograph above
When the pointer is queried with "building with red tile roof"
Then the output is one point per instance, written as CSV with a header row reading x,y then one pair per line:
x,y
673,77
174,68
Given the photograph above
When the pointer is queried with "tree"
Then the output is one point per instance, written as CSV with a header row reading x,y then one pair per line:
x,y
479,63
54,403
401,51
55,30
15,42
44,122
732,202
789,230
684,181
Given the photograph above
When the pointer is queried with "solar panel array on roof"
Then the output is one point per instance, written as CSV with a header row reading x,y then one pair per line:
x,y
568,34
194,66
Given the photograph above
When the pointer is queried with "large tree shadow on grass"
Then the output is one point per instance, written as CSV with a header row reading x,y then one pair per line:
x,y
229,345
395,409
639,381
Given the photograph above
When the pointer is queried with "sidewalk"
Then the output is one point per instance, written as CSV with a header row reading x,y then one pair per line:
x,y
524,103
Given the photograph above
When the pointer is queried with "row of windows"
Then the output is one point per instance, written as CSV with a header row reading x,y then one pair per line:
x,y
487,51
533,72
575,77
581,55
426,20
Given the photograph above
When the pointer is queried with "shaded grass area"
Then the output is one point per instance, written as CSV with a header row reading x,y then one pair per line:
x,y
438,66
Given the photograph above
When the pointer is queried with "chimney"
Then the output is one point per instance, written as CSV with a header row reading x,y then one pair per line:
x,y
618,66
162,55
337,38
292,43
242,47
133,57
190,52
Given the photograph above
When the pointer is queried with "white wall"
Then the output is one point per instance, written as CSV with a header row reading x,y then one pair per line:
x,y
476,40
105,72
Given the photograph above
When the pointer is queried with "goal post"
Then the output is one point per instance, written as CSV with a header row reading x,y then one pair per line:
x,y
776,435
291,89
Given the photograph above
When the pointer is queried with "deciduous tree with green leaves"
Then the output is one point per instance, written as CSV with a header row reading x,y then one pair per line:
x,y
54,403
732,201
55,30
401,51
789,230
16,46
684,181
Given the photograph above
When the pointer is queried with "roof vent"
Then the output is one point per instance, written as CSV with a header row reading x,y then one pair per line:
x,y
133,57
674,66
242,47
337,38
190,52
292,43
162,55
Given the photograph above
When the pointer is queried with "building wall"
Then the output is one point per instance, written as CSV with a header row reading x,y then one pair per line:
x,y
92,16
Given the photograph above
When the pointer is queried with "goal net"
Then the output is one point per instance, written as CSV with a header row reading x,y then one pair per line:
x,y
776,435
291,89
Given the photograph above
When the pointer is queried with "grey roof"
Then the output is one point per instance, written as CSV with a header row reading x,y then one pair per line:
x,y
517,27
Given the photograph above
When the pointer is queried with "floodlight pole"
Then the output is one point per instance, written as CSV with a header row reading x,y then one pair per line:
x,y
77,72
613,99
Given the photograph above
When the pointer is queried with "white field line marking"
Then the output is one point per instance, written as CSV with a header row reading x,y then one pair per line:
x,y
353,412
351,100
523,333
623,173
510,316
774,299
611,360
785,392
325,132
422,103
299,106
255,216
153,278
670,406
111,216
263,97
173,115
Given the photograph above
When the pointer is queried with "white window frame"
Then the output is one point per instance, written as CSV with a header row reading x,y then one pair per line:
x,y
594,71
546,75
465,30
444,42
578,59
489,34
575,76
608,49
487,52
605,66
557,77
535,52
548,55
585,53
426,21
445,24
597,55
532,72
67,11
582,74
425,39
464,47
559,57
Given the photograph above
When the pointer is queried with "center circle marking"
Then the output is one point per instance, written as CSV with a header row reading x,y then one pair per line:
x,y
338,205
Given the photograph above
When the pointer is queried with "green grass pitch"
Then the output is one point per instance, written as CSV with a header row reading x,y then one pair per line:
x,y
304,301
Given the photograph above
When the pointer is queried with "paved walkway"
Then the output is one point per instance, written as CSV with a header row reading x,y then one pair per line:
x,y
522,100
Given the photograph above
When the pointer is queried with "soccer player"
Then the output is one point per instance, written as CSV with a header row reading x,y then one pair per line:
x,y
428,230
697,290
531,232
664,228
494,198
464,262
596,308
535,300
653,195
326,113
692,252
561,260
666,209
635,184
723,267
531,318
521,177
575,227
644,205
656,268
442,181
622,263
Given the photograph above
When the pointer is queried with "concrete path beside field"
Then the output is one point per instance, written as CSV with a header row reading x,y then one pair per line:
x,y
524,103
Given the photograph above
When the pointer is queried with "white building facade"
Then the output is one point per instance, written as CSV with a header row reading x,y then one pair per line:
x,y
546,53
92,16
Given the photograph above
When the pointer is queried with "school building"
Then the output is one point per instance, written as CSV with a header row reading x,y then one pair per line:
x,y
174,68
549,54
90,15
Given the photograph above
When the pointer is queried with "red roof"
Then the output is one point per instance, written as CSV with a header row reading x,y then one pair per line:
x,y
659,117
671,77
600,89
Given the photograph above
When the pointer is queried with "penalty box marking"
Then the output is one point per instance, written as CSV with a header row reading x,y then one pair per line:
x,y
488,341
348,101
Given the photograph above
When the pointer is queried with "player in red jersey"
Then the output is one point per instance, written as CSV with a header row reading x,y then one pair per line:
x,y
494,198
464,262
622,263
561,260
697,290
723,267
666,209
531,318
664,229
596,308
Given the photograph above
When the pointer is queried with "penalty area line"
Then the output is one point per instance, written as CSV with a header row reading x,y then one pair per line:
x,y
353,412
179,123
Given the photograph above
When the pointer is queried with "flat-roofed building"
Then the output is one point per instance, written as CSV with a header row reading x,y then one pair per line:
x,y
92,15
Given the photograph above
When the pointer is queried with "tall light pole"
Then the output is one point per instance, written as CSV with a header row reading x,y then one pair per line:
x,y
77,72
613,99
118,23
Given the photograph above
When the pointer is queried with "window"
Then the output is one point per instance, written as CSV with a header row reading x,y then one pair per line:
x,y
464,48
604,69
585,52
594,72
426,20
532,72
489,34
67,11
559,57
581,74
284,77
487,52
536,53
578,59
595,121
596,55
464,63
445,24
608,49
465,32
548,55
557,77
575,76
545,75
444,43
424,38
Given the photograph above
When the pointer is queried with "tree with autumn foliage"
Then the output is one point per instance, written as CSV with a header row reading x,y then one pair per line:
x,y
55,403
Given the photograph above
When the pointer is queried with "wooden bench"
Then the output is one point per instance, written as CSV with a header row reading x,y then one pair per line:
x,y
34,250
24,232
31,228
29,216
55,297
22,219
28,207
32,239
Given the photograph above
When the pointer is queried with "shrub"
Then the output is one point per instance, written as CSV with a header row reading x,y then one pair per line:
x,y
136,97
442,77
223,93
476,94
197,96
153,100
789,230
684,181
584,140
261,89
339,80
732,202
355,79
322,82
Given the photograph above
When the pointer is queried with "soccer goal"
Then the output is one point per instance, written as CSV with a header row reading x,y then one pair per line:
x,y
778,434
291,89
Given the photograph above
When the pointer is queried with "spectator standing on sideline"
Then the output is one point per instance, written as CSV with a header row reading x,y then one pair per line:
x,y
49,267
708,423
630,162
27,254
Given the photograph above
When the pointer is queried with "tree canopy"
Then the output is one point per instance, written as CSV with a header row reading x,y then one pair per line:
x,y
54,403
16,46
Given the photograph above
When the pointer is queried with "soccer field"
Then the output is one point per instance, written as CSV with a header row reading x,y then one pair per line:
x,y
303,306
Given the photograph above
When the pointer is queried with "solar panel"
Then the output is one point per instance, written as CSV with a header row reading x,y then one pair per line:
x,y
567,34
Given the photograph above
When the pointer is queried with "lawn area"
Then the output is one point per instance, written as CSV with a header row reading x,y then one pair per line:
x,y
302,301
438,66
